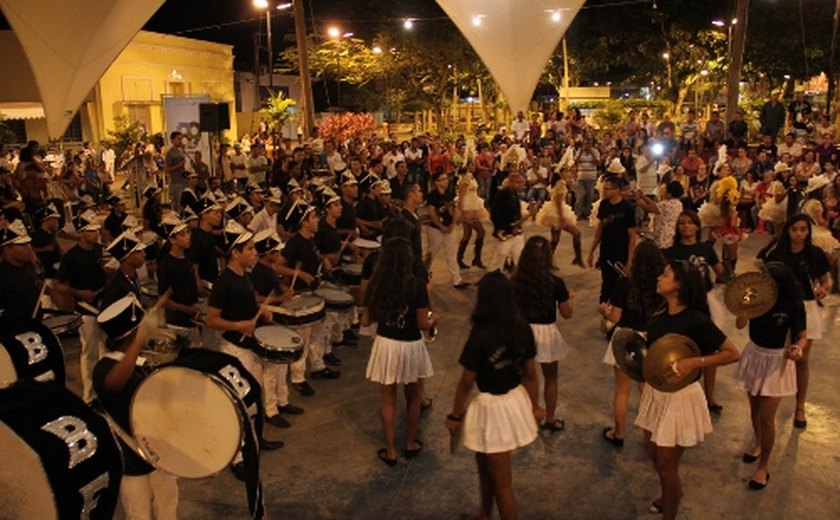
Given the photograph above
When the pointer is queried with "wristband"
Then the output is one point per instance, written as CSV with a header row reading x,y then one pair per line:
x,y
450,417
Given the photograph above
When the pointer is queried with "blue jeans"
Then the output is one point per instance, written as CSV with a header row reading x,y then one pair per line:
x,y
536,195
585,196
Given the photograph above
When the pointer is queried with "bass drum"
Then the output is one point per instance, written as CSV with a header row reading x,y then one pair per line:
x,y
29,351
191,417
59,457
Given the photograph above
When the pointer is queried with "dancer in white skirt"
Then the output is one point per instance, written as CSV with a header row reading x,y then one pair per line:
x,y
811,268
701,254
559,216
398,301
472,210
540,293
499,358
633,302
766,370
678,420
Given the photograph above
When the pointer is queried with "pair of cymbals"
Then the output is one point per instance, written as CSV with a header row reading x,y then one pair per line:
x,y
751,294
652,364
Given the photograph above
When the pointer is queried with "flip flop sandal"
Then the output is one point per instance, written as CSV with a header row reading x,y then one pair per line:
x,y
555,426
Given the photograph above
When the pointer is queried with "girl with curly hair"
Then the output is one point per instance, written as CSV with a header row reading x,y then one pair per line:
x,y
633,302
398,301
539,293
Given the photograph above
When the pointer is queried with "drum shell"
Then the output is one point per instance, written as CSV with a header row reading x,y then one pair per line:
x,y
62,323
52,442
283,355
350,274
29,350
286,315
335,304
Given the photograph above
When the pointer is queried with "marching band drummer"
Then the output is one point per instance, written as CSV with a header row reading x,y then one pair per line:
x,y
113,222
145,492
189,196
673,421
232,309
349,194
81,276
176,272
19,283
204,250
240,211
301,249
44,241
127,249
369,212
265,279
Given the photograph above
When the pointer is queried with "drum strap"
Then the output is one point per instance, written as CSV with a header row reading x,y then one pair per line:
x,y
127,439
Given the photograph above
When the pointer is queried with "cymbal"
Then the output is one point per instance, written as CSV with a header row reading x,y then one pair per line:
x,y
629,349
750,294
662,354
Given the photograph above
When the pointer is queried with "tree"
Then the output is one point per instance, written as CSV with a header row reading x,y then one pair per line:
x,y
278,111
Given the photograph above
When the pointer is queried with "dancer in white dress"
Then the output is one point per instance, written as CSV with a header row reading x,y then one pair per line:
x,y
558,215
473,212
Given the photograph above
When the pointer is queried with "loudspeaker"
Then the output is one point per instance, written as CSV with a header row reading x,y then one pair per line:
x,y
214,117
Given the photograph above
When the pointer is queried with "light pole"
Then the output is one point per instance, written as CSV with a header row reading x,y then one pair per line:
x,y
266,4
335,33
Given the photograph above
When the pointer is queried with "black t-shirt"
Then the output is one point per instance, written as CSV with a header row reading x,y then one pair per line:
x,y
616,220
113,224
48,259
117,286
189,199
442,202
807,265
117,405
691,323
497,355
234,296
203,254
177,274
701,255
153,213
304,250
405,328
416,233
19,289
369,209
347,219
548,313
630,318
505,210
264,279
327,238
369,263
82,268
770,330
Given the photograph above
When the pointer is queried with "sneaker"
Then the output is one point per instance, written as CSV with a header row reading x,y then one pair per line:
x,y
326,373
238,470
332,360
290,409
304,389
267,445
277,421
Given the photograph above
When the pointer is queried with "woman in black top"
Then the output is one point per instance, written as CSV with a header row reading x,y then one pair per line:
x,y
673,421
765,371
499,358
634,300
811,268
399,303
539,294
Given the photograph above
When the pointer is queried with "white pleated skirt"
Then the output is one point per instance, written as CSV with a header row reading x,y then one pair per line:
x,y
814,325
499,423
393,361
675,418
609,356
765,372
717,309
550,344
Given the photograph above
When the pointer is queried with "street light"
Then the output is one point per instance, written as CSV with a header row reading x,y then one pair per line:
x,y
265,4
335,33
377,49
408,24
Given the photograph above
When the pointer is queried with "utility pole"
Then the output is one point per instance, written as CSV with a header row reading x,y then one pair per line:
x,y
736,58
308,111
831,83
565,77
270,48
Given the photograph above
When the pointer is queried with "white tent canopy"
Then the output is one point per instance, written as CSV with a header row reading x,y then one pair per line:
x,y
71,44
514,38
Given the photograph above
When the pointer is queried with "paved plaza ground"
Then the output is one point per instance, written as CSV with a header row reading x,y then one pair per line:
x,y
329,469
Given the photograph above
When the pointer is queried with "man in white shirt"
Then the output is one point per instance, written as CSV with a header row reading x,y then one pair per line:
x,y
520,126
335,162
108,158
266,218
791,146
257,164
391,158
238,167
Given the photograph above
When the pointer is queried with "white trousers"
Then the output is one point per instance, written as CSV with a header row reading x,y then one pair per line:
x,y
510,248
249,360
313,350
275,390
449,243
335,324
92,339
147,497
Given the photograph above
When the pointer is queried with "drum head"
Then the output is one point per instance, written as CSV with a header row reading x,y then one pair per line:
x,y
8,374
364,243
186,422
335,295
279,337
26,487
354,269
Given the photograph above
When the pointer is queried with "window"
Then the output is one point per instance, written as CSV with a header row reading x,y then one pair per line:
x,y
73,134
16,127
177,88
141,113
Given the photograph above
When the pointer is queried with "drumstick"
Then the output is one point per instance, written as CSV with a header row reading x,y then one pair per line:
x,y
298,265
38,301
161,302
344,245
264,305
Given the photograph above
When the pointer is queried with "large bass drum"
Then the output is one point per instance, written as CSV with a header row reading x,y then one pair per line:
x,y
59,458
191,417
29,351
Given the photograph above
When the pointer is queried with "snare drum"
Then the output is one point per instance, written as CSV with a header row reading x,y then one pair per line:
x,y
190,417
29,351
336,299
62,323
301,310
160,351
350,274
278,344
59,459
363,244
